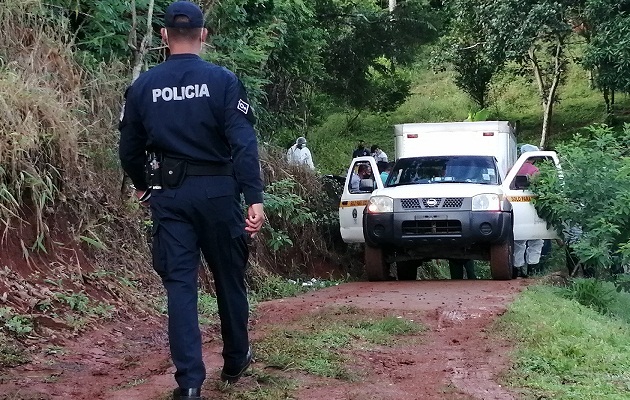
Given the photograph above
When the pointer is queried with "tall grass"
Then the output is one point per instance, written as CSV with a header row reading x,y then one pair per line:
x,y
59,171
39,128
566,350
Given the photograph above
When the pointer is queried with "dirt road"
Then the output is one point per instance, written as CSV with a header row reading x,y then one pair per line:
x,y
455,360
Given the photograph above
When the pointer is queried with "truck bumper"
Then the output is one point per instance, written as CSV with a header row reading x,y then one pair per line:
x,y
437,228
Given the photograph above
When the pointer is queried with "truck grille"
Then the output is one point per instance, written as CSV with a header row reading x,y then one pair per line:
x,y
453,202
410,204
431,202
432,227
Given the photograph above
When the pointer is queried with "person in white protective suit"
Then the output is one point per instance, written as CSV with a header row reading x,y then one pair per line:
x,y
299,154
527,252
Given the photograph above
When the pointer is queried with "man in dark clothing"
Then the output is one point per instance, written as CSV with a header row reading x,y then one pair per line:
x,y
193,120
360,150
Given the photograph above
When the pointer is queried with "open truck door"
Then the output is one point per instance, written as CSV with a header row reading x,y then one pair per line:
x,y
527,224
362,179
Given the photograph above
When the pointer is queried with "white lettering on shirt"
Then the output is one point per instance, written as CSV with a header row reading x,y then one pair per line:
x,y
156,94
180,93
203,91
167,94
190,92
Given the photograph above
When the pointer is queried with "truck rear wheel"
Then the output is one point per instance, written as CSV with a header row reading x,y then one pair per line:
x,y
502,260
376,267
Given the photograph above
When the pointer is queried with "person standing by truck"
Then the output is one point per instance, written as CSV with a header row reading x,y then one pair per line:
x,y
378,154
527,252
360,151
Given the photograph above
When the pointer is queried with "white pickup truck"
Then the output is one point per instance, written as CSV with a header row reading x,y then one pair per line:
x,y
454,193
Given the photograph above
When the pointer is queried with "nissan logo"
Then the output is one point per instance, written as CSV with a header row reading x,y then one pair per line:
x,y
432,203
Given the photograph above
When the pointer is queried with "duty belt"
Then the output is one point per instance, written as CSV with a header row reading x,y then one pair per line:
x,y
208,169
193,168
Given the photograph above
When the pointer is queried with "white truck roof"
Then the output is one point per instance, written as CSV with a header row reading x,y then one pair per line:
x,y
482,138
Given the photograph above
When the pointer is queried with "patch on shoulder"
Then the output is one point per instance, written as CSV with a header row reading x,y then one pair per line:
x,y
242,106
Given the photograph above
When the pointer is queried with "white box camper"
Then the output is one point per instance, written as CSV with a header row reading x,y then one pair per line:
x,y
492,138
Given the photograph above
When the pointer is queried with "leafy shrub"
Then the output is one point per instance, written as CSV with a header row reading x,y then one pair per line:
x,y
18,325
11,354
284,209
592,293
592,195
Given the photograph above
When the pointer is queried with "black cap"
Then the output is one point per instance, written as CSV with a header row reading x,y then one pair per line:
x,y
185,9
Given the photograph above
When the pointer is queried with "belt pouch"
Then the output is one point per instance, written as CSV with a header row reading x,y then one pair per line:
x,y
173,172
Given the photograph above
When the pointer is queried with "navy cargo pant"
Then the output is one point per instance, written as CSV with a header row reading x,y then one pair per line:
x,y
204,214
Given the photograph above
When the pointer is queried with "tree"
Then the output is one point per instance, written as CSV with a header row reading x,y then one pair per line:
x,y
465,50
608,50
366,45
532,33
101,29
290,53
592,195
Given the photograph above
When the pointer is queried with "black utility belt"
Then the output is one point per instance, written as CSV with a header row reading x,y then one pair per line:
x,y
171,172
209,169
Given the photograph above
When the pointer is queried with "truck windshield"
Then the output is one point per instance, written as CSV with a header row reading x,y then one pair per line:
x,y
444,169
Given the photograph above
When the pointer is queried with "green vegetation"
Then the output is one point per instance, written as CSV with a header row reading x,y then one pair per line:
x,y
566,350
435,98
15,323
11,353
276,287
208,309
320,343
270,387
590,201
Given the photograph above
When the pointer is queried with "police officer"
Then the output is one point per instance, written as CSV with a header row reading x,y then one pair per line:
x,y
195,122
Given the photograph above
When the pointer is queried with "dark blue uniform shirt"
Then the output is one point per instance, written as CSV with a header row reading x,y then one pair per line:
x,y
191,109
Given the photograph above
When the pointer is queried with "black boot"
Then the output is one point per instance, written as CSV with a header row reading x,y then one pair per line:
x,y
534,269
522,272
232,375
187,394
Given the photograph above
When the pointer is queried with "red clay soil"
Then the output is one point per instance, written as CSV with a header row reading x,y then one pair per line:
x,y
456,358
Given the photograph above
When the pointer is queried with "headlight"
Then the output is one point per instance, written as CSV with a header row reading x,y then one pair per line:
x,y
486,202
380,204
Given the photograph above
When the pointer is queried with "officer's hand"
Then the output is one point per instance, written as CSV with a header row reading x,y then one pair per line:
x,y
255,219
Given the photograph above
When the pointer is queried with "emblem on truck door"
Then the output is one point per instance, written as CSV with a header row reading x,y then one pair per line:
x,y
432,203
354,213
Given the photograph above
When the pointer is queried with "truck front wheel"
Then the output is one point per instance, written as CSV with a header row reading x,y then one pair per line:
x,y
376,267
502,260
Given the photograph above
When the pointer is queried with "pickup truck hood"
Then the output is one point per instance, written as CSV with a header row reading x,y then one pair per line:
x,y
437,190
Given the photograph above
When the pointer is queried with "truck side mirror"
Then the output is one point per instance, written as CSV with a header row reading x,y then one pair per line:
x,y
521,182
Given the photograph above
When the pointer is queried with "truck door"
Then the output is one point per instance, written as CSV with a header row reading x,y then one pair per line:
x,y
362,179
527,224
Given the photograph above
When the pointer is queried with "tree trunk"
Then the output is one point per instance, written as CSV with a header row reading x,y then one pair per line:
x,y
547,92
551,95
542,91
140,52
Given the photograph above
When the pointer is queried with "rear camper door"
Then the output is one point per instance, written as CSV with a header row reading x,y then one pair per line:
x,y
362,179
527,224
